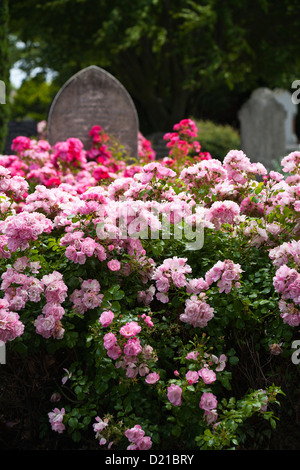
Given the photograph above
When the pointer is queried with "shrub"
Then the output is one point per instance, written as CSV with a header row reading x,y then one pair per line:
x,y
217,139
159,298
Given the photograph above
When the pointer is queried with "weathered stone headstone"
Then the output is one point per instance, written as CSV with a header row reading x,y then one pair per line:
x,y
2,353
262,128
285,98
27,128
93,97
158,144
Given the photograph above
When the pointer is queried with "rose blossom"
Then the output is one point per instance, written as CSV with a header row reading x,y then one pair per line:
x,y
208,376
208,401
152,378
130,329
114,265
106,318
174,394
109,340
132,347
191,376
56,420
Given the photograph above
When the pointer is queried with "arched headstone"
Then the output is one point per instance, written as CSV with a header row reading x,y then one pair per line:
x,y
93,97
285,98
262,128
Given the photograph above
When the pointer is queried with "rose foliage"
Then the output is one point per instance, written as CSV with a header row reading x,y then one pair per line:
x,y
155,283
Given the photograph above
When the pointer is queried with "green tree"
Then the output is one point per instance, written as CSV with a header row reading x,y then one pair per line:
x,y
32,100
4,68
174,58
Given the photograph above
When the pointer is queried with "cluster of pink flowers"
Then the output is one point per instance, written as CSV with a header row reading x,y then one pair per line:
x,y
226,273
154,169
208,403
207,172
137,438
13,186
24,227
197,311
172,273
48,324
289,313
20,144
291,163
10,325
285,253
87,297
68,152
54,202
207,375
238,167
20,288
56,418
80,247
131,355
287,282
182,142
145,150
99,150
224,212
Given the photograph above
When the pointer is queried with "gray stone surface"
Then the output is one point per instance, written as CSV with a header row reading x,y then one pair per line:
x,y
93,97
262,128
285,98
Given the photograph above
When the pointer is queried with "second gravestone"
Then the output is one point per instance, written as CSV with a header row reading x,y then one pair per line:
x,y
262,129
94,97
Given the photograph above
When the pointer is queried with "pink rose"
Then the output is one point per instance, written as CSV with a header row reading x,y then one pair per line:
x,y
132,347
152,378
208,376
130,329
208,401
134,434
174,394
114,265
114,352
109,340
192,377
106,318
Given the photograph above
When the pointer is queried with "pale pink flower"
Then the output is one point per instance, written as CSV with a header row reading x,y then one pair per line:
x,y
192,377
174,394
109,340
152,378
208,401
114,265
132,347
130,329
106,318
208,376
56,417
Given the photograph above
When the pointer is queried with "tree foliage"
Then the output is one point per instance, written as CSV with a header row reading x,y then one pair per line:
x,y
169,55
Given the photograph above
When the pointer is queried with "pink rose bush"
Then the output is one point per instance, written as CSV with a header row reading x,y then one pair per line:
x,y
98,271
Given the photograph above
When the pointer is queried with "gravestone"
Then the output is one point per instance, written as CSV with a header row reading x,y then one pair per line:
x,y
158,144
26,128
2,353
285,98
262,128
93,97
